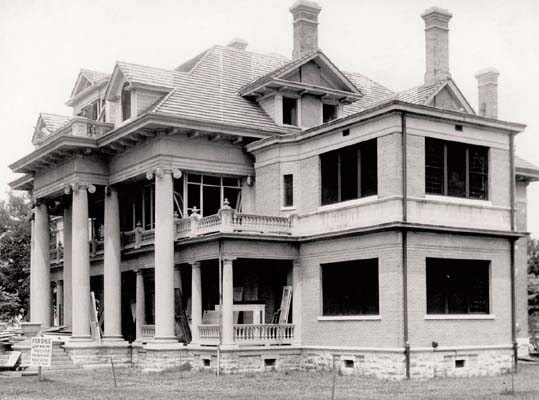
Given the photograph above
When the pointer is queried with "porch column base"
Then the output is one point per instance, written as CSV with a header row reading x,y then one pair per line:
x,y
114,339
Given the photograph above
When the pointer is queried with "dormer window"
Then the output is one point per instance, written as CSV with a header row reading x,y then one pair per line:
x,y
290,111
91,111
126,103
329,112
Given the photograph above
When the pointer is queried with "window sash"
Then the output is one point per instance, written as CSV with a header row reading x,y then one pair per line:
x,y
349,173
288,184
446,175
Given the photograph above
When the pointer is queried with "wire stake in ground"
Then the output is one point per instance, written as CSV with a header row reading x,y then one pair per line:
x,y
113,372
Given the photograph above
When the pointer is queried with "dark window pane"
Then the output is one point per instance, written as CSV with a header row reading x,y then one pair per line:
x,y
126,103
148,208
138,206
290,111
329,112
231,182
478,172
456,170
330,177
349,172
350,288
211,200
369,168
194,178
233,195
457,286
212,180
288,181
193,197
434,166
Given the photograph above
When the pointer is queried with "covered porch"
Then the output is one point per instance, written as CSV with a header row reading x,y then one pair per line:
x,y
232,302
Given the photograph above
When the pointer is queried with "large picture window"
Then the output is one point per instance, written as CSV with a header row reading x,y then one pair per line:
x,y
457,286
207,193
350,288
456,169
349,173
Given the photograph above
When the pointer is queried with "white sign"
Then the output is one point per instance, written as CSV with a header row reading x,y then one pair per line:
x,y
41,352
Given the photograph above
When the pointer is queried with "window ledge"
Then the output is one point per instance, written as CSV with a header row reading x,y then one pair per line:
x,y
288,208
439,317
458,200
349,203
350,318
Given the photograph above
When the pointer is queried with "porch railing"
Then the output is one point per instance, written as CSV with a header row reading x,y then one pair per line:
x,y
260,334
147,331
79,126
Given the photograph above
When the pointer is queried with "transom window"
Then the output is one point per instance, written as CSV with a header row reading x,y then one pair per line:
x,y
350,288
457,286
349,173
456,169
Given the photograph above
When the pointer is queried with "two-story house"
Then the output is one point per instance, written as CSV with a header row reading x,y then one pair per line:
x,y
292,214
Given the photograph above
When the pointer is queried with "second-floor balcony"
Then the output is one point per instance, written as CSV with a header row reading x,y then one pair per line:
x,y
80,127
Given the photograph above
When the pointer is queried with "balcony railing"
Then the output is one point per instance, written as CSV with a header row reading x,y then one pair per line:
x,y
81,127
228,220
147,331
247,334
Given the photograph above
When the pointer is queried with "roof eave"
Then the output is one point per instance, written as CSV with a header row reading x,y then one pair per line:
x,y
25,182
388,107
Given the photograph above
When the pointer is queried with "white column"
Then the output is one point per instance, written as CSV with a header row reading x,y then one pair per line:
x,y
296,301
196,301
140,305
80,267
32,262
164,258
60,301
41,269
112,279
68,249
228,300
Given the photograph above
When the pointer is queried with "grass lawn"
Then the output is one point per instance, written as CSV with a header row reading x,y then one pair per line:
x,y
133,385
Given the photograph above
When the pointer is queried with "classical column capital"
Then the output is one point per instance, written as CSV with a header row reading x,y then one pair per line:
x,y
76,186
139,271
229,259
159,172
195,264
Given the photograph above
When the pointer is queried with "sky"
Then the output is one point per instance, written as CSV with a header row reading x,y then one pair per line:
x,y
43,44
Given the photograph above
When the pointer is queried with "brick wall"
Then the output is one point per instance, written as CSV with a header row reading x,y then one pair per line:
x,y
459,332
386,332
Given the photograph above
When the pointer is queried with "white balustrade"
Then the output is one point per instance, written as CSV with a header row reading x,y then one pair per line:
x,y
259,334
148,331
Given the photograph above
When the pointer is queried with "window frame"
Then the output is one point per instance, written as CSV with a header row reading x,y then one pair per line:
x,y
461,265
288,191
361,192
445,187
356,316
294,115
124,95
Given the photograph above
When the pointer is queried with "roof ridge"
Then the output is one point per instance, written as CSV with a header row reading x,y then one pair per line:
x,y
56,115
268,55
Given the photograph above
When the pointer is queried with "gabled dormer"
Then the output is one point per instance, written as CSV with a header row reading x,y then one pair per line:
x,y
87,96
133,89
306,92
46,125
310,90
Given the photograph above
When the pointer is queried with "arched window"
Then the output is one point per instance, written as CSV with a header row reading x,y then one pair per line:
x,y
126,103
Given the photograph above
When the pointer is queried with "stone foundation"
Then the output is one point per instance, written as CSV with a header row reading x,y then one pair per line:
x,y
460,363
92,354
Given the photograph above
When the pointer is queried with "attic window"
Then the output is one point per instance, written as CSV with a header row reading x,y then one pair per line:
x,y
126,103
290,111
329,112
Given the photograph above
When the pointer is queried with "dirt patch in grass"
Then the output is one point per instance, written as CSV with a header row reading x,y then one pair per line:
x,y
182,383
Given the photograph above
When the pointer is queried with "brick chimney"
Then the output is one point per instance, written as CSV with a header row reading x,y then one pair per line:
x,y
305,23
238,43
487,84
436,44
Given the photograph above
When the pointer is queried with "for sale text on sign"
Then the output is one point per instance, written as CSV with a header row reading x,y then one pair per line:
x,y
41,352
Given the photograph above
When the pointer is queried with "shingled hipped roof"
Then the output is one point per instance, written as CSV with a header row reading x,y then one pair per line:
x,y
206,87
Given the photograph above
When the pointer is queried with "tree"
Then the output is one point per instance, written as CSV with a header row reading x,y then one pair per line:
x,y
15,239
533,276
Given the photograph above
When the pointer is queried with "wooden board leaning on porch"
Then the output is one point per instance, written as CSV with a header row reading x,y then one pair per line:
x,y
182,331
281,316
